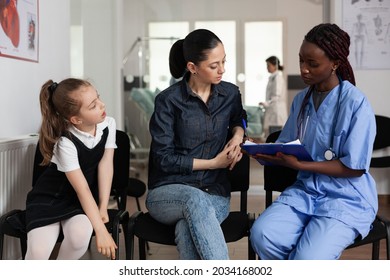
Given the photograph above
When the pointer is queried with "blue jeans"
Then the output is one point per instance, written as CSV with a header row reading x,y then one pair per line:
x,y
197,215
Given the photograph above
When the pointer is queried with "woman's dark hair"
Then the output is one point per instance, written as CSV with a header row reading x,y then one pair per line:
x,y
58,105
335,43
192,48
275,61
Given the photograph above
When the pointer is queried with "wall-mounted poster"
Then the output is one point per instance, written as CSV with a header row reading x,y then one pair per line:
x,y
19,29
368,24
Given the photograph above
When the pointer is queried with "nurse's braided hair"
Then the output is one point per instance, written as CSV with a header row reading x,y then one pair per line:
x,y
335,43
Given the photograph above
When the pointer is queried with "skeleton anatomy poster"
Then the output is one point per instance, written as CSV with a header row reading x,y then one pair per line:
x,y
368,24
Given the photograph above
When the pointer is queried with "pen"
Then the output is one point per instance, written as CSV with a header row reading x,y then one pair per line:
x,y
244,125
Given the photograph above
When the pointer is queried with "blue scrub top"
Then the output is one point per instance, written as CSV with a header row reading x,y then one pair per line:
x,y
353,201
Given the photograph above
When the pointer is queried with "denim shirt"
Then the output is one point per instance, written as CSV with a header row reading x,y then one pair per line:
x,y
183,127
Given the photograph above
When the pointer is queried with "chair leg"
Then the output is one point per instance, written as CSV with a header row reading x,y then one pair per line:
x,y
130,239
125,229
375,250
138,204
90,242
388,248
139,209
251,252
23,246
388,241
1,245
141,247
129,243
147,248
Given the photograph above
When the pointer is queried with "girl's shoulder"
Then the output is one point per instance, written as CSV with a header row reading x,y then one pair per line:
x,y
108,122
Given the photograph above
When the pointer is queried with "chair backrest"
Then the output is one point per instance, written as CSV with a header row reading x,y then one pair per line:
x,y
276,178
121,168
239,180
382,140
37,168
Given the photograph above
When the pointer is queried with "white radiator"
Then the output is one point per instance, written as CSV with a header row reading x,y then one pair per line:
x,y
16,165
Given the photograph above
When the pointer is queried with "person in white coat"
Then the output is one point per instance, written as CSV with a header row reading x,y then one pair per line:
x,y
276,97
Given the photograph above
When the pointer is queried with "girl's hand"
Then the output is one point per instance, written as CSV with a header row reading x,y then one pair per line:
x,y
105,244
104,215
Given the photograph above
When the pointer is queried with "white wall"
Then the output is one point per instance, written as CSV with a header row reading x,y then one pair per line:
x,y
102,24
298,15
20,81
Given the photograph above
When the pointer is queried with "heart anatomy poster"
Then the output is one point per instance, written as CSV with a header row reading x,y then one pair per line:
x,y
19,29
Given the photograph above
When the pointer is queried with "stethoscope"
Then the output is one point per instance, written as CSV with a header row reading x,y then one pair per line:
x,y
329,154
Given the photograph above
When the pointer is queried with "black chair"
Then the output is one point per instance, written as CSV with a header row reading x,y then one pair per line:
x,y
277,178
136,188
235,227
12,223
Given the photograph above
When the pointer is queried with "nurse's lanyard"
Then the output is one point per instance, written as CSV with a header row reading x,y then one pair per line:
x,y
303,121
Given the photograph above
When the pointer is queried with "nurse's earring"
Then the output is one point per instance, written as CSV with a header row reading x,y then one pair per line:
x,y
334,68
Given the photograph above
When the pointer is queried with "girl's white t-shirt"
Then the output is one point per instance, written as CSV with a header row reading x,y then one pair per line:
x,y
65,152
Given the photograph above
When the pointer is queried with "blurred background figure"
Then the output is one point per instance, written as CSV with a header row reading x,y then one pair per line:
x,y
276,98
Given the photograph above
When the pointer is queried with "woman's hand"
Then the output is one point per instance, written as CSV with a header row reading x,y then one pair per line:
x,y
224,158
234,150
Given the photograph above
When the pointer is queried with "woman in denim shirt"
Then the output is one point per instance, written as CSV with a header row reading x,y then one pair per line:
x,y
189,155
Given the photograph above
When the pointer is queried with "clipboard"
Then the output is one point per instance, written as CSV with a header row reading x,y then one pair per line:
x,y
297,150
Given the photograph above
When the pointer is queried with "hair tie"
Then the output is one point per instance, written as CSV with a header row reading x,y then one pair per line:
x,y
53,87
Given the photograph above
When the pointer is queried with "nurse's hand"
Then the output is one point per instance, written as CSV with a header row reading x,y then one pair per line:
x,y
279,159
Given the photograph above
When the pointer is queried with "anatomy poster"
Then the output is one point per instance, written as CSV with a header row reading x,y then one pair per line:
x,y
19,29
368,24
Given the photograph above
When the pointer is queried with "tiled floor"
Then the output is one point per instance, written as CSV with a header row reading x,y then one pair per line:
x,y
238,250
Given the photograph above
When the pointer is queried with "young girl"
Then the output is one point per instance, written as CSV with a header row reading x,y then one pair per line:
x,y
334,200
77,142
